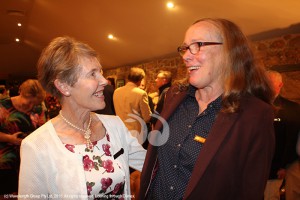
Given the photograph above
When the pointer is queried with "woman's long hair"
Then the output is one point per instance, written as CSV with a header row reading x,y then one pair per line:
x,y
242,76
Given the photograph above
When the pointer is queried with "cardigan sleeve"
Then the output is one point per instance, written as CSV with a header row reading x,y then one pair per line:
x,y
135,153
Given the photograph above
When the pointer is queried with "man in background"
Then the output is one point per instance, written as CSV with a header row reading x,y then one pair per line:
x,y
131,105
163,83
285,163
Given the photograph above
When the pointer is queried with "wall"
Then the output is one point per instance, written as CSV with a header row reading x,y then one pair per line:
x,y
272,52
283,51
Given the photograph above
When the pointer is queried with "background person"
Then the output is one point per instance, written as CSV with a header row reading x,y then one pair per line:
x,y
3,92
151,105
221,137
111,81
163,83
16,114
132,106
285,163
109,108
77,153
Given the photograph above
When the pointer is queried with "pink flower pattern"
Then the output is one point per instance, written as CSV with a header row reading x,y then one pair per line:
x,y
70,147
117,188
100,165
105,182
88,164
89,187
108,166
106,150
107,137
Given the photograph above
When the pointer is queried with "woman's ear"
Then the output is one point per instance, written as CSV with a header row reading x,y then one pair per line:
x,y
62,87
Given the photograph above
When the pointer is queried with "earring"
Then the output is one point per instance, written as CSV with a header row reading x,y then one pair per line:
x,y
67,94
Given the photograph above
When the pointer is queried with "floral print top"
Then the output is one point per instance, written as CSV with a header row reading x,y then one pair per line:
x,y
105,177
12,121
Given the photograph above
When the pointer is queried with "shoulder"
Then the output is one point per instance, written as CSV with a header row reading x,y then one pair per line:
x,y
110,120
107,117
287,102
176,91
113,125
118,90
252,101
138,90
40,136
6,102
164,91
255,107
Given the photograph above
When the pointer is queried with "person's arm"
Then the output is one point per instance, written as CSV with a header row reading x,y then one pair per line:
x,y
11,138
136,153
259,156
145,108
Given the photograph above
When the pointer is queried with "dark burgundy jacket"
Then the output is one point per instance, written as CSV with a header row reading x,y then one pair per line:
x,y
234,162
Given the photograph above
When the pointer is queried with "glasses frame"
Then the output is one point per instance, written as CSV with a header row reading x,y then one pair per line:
x,y
182,49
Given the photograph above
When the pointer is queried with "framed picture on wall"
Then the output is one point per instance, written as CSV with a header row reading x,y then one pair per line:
x,y
120,83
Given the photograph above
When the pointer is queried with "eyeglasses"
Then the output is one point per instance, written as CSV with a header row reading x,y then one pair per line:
x,y
195,47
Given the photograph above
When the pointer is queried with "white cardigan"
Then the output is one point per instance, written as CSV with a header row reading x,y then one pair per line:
x,y
49,170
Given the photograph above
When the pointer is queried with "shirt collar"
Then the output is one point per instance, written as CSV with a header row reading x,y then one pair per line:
x,y
217,103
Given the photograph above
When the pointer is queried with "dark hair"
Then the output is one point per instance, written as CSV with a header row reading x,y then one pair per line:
x,y
60,60
112,81
136,74
2,89
242,76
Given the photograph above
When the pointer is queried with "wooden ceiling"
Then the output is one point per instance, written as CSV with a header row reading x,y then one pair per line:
x,y
144,30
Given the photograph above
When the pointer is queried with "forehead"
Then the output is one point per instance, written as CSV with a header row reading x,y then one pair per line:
x,y
89,62
160,75
34,100
202,31
274,77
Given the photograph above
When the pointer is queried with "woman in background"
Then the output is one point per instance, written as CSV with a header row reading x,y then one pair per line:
x,y
17,120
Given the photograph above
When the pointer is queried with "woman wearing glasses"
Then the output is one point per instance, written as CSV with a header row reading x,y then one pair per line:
x,y
221,138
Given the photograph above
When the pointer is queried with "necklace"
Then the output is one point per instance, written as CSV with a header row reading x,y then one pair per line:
x,y
87,132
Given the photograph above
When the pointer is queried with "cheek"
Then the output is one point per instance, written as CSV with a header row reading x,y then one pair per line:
x,y
27,106
86,86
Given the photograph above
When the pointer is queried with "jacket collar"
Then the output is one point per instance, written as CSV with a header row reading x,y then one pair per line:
x,y
161,88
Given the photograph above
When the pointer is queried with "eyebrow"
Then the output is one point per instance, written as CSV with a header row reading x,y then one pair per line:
x,y
192,41
94,70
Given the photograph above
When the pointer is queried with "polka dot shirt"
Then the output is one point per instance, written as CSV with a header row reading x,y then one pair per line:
x,y
177,157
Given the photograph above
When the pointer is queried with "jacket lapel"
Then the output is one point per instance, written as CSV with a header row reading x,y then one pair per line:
x,y
172,101
217,134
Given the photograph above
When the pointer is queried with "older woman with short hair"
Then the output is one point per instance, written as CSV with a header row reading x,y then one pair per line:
x,y
78,154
